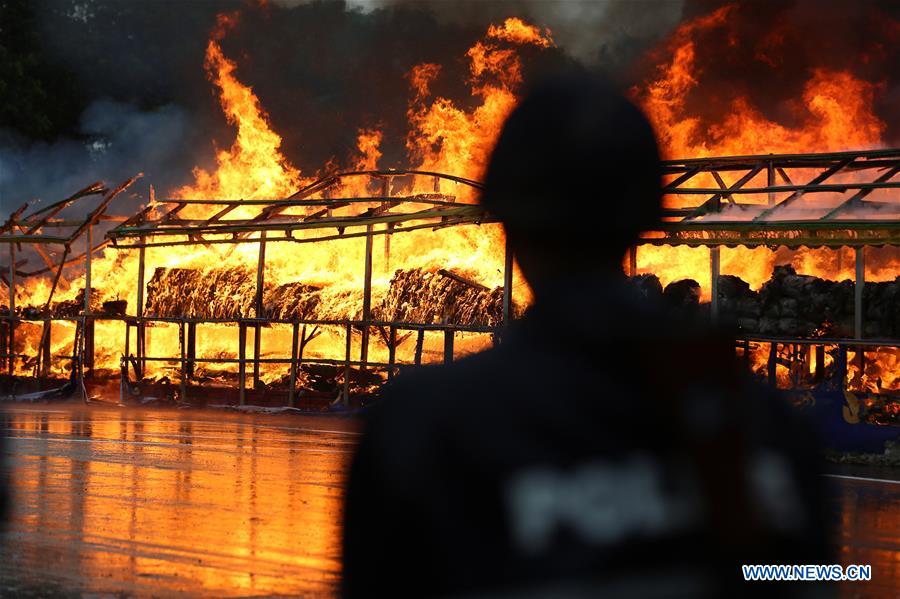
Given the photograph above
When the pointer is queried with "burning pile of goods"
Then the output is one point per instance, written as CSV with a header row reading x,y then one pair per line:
x,y
413,295
417,295
222,293
790,304
292,300
804,305
73,308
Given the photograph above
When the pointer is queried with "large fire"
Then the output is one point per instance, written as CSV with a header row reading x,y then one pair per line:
x,y
443,137
835,113
456,137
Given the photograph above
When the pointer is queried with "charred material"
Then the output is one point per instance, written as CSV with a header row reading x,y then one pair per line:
x,y
75,307
791,304
292,300
419,295
414,295
647,286
683,295
213,293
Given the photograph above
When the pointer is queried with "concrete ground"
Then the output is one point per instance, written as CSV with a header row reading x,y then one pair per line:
x,y
149,502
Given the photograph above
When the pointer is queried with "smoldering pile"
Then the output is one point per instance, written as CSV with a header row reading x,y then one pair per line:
x,y
789,304
413,295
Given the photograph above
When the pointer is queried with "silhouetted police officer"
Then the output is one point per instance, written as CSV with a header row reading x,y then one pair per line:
x,y
604,448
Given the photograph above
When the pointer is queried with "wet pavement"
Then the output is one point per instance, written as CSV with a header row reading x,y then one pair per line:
x,y
173,502
865,504
143,502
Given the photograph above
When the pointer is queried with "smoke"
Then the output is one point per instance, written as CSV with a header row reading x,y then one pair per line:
x,y
767,52
115,141
604,34
322,71
325,70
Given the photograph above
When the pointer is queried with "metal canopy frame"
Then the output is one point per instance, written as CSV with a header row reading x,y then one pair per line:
x,y
316,216
741,213
721,216
773,217
30,230
383,214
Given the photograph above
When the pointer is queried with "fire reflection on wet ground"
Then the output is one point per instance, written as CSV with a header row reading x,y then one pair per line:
x,y
865,504
205,503
169,502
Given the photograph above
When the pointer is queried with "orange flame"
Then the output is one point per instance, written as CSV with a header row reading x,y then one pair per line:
x,y
447,136
253,167
835,113
443,137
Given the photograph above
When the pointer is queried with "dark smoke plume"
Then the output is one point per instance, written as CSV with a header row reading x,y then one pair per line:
x,y
768,50
323,70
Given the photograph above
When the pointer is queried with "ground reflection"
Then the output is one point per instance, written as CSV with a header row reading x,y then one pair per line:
x,y
867,528
208,503
146,501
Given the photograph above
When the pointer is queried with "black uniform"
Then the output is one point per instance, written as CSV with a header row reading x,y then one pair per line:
x,y
605,448
601,449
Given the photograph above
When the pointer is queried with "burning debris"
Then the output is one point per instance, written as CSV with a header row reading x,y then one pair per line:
x,y
75,307
789,304
292,300
806,306
413,295
223,293
419,295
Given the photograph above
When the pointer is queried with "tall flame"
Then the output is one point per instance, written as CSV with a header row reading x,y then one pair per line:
x,y
835,113
446,138
443,137
254,166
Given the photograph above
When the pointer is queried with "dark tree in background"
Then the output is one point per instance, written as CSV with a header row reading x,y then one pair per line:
x,y
39,98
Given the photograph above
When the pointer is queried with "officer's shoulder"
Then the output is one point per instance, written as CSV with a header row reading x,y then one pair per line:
x,y
432,395
433,385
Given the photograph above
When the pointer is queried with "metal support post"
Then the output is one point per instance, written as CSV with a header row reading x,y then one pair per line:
x,y
45,349
507,284
260,283
772,365
140,331
448,346
858,306
714,267
420,341
242,362
11,344
191,348
858,292
386,193
292,378
367,300
392,351
182,343
346,393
